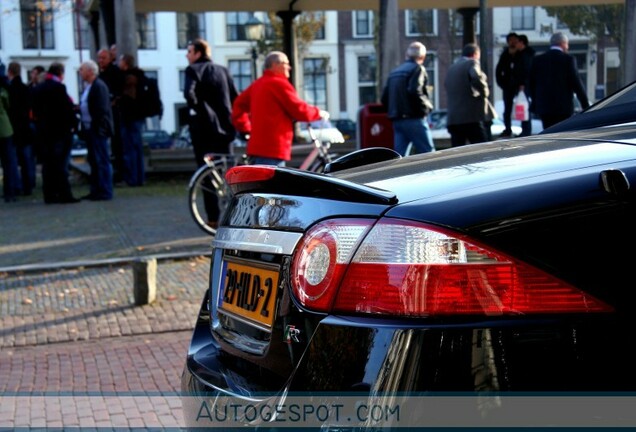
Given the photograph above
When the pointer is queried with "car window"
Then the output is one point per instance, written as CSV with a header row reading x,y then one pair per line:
x,y
624,96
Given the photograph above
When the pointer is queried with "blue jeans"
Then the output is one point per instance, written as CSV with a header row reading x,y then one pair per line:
x,y
412,130
26,163
101,178
133,152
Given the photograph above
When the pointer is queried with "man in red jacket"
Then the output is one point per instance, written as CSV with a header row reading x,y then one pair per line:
x,y
267,110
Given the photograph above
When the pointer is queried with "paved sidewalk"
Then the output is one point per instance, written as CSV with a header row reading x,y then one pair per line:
x,y
148,220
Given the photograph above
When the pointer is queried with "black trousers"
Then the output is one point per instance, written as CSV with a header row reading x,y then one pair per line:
x,y
508,97
205,139
55,183
549,120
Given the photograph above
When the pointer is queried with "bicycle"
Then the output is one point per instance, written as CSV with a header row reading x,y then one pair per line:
x,y
210,178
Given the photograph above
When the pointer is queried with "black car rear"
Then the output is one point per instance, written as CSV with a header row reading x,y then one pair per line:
x,y
502,267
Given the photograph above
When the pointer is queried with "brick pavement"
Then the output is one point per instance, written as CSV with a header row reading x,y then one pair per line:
x,y
97,302
74,350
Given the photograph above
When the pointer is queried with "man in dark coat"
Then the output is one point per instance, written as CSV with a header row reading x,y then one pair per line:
x,y
131,110
97,120
55,119
469,110
506,78
210,92
407,102
554,79
19,113
523,64
110,73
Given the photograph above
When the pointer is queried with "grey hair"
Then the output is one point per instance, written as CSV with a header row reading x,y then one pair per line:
x,y
92,66
273,58
416,50
558,38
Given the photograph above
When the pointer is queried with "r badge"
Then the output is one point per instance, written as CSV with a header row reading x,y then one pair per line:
x,y
291,334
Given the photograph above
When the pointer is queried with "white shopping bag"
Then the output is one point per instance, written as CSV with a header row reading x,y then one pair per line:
x,y
521,107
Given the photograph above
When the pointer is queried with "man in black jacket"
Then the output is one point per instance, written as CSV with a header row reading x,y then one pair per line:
x,y
523,63
554,79
210,92
110,73
406,99
506,77
55,120
97,120
19,109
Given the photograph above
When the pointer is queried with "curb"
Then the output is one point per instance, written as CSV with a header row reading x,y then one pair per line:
x,y
57,266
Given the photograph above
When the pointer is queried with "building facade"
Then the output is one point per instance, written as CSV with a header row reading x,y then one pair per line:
x,y
336,71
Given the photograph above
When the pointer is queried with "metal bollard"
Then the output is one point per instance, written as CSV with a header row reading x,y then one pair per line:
x,y
145,281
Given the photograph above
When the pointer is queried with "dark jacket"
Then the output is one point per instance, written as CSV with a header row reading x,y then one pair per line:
x,y
130,104
405,94
209,90
53,110
19,111
505,74
100,109
114,79
523,64
554,79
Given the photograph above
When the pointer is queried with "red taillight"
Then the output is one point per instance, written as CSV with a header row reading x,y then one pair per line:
x,y
249,173
321,259
409,269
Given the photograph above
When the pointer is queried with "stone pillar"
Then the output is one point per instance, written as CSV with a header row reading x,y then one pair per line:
x,y
484,45
469,24
144,281
125,27
629,45
289,41
390,53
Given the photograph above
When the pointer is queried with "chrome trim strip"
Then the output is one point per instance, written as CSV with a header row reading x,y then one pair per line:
x,y
237,317
256,240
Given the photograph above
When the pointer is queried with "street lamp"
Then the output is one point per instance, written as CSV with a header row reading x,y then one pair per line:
x,y
254,33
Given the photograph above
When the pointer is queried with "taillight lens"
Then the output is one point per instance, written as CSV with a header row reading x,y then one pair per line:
x,y
404,268
321,259
249,173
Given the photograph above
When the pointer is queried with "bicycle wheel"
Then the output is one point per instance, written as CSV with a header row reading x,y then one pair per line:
x,y
208,180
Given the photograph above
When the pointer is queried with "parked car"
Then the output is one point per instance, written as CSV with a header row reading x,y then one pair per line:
x,y
157,139
346,127
499,269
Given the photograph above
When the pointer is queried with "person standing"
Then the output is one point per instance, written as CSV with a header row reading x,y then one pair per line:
x,y
554,79
8,158
97,121
267,110
19,112
506,77
469,110
36,76
209,91
54,115
523,61
112,76
132,121
406,99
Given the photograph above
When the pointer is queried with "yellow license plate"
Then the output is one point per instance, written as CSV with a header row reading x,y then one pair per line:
x,y
248,292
